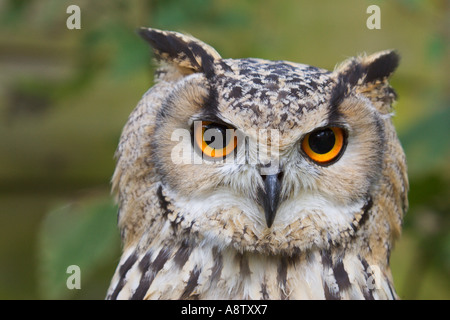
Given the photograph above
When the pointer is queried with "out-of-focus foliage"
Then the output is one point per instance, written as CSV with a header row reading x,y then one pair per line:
x,y
66,94
59,246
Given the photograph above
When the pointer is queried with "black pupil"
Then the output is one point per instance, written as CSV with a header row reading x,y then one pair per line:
x,y
322,141
215,136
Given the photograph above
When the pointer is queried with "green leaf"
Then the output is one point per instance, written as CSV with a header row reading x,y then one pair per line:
x,y
83,234
426,144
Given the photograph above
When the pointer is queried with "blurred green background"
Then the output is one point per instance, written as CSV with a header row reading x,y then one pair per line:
x,y
66,94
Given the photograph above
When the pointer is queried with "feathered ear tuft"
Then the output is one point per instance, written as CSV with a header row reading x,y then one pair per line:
x,y
185,53
380,66
369,75
368,69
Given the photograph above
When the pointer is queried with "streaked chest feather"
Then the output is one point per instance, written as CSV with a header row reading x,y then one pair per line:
x,y
206,272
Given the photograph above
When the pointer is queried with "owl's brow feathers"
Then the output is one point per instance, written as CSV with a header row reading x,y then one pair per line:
x,y
193,55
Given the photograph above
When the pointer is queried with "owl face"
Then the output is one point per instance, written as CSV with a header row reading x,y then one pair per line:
x,y
265,156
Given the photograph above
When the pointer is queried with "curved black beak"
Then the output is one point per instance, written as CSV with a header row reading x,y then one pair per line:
x,y
269,198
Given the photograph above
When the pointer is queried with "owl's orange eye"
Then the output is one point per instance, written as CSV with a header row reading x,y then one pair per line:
x,y
324,145
214,140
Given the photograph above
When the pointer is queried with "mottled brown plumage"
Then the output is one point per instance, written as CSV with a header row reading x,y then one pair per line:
x,y
259,225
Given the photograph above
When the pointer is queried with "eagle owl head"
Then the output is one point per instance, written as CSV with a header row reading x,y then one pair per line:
x,y
263,160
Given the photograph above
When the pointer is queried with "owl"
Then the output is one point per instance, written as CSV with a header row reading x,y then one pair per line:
x,y
259,179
